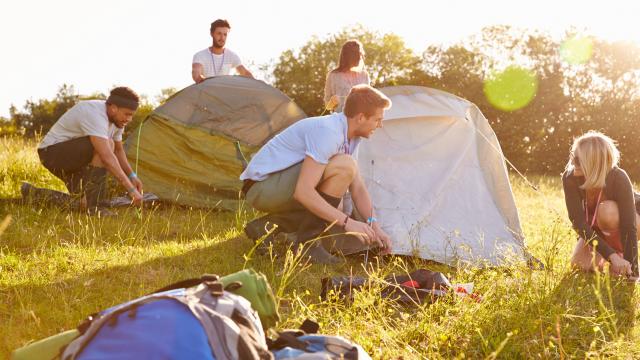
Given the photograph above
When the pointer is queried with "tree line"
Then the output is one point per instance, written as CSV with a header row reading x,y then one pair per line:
x,y
578,82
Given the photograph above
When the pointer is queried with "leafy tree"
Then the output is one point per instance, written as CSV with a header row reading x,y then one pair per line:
x,y
39,116
165,94
7,128
571,98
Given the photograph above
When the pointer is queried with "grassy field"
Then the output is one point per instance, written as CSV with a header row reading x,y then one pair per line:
x,y
58,267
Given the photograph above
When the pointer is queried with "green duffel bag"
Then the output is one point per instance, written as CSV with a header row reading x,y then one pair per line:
x,y
256,289
45,349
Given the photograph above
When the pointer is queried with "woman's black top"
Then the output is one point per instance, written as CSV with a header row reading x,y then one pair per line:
x,y
617,188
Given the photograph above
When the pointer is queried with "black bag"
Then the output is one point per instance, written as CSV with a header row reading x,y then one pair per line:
x,y
416,288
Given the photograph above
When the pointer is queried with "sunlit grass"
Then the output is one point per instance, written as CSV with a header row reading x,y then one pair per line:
x,y
57,267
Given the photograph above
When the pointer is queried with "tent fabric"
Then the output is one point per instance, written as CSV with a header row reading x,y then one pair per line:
x,y
189,150
438,181
244,109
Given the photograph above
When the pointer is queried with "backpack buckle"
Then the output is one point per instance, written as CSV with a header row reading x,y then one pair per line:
x,y
215,288
209,277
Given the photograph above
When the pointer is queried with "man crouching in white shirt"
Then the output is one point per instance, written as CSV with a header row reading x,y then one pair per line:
x,y
299,177
85,143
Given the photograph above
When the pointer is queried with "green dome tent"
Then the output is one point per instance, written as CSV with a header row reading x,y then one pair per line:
x,y
190,149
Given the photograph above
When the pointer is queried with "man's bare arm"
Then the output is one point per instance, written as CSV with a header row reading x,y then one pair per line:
x,y
243,71
197,72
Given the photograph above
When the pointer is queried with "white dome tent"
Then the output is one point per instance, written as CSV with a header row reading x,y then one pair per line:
x,y
438,181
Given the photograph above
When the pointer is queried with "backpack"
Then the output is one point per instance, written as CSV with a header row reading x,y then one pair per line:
x,y
200,322
254,288
306,344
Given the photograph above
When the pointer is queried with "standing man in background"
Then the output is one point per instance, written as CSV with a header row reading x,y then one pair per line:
x,y
217,60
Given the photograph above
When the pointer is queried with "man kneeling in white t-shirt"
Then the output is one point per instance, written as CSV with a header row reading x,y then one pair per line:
x,y
300,176
86,142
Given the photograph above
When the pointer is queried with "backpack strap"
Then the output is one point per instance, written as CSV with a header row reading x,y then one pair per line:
x,y
188,283
289,338
310,326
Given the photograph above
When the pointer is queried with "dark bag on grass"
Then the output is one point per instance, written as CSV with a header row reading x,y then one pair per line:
x,y
416,288
306,344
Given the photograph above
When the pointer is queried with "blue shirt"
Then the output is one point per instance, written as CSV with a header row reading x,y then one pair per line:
x,y
319,137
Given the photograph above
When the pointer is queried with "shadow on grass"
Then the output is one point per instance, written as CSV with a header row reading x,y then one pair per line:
x,y
35,311
31,312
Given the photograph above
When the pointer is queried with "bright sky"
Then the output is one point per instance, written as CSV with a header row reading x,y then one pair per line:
x,y
148,45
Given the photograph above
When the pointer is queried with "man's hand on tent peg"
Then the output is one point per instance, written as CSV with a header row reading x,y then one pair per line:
x,y
367,235
136,197
137,183
384,241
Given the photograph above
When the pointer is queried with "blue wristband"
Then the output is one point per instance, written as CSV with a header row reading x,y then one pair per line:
x,y
132,175
371,220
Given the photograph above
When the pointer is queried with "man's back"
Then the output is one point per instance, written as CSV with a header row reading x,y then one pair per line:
x,y
86,118
318,137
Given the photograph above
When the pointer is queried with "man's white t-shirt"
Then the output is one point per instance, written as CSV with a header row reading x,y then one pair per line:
x,y
214,65
86,118
319,137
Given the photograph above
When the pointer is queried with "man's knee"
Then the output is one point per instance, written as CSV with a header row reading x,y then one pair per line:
x,y
608,215
342,165
96,160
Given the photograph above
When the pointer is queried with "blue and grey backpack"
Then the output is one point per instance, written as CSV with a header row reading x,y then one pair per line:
x,y
305,343
201,322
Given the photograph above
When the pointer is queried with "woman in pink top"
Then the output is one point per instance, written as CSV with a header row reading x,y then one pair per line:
x,y
350,72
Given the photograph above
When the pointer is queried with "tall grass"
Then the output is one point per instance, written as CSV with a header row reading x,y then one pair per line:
x,y
57,267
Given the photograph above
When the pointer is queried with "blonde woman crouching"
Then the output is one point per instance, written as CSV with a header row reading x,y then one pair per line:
x,y
601,206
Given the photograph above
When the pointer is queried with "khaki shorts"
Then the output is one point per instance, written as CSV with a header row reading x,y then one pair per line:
x,y
275,193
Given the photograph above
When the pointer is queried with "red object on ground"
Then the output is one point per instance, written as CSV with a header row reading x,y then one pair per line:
x,y
411,283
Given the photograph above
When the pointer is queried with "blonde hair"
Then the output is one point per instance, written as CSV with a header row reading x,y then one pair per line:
x,y
595,154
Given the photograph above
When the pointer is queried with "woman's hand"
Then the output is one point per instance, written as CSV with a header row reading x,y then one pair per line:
x,y
619,266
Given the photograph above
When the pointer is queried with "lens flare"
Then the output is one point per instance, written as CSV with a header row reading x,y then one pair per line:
x,y
511,89
576,50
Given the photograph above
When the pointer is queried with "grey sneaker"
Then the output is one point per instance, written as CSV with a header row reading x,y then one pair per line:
x,y
318,254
